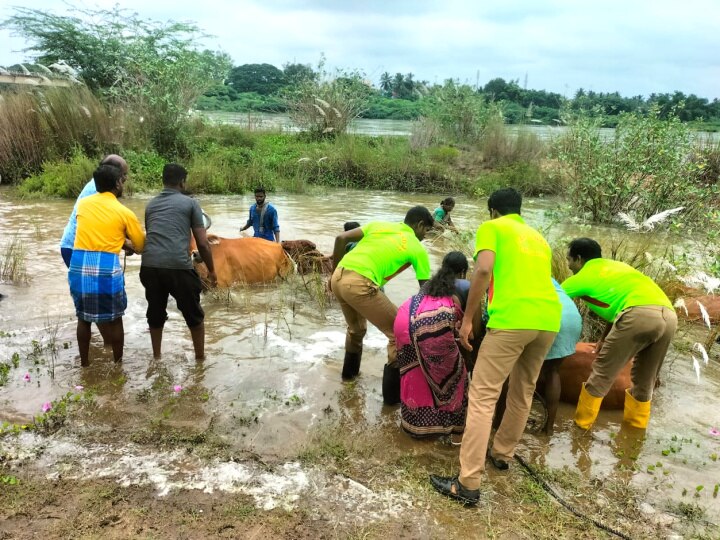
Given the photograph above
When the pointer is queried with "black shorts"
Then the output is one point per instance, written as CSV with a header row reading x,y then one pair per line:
x,y
183,285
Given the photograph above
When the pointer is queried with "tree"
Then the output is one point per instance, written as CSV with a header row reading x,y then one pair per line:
x,y
149,68
298,73
386,84
263,79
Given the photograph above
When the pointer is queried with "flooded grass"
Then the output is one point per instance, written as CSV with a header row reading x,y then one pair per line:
x,y
12,262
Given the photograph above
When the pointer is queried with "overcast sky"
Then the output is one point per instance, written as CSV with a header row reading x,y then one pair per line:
x,y
632,46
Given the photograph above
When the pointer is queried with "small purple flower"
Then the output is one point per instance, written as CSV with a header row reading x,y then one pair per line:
x,y
46,406
26,377
79,388
177,388
715,432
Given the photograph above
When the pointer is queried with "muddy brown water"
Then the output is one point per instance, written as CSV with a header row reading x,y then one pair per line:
x,y
275,354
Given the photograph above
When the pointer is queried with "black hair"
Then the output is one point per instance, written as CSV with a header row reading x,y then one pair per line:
x,y
260,190
174,174
442,283
106,177
585,248
505,201
350,225
449,201
419,214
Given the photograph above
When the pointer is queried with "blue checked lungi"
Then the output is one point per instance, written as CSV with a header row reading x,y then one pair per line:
x,y
97,286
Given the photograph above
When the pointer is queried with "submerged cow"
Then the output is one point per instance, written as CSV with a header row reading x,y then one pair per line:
x,y
244,260
576,369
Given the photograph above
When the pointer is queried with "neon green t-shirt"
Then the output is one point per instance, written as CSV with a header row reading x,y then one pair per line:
x,y
385,250
608,287
521,294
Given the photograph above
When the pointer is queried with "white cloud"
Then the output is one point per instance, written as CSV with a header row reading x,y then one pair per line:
x,y
635,48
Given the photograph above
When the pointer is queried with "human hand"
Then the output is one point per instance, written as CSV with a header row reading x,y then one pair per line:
x,y
128,247
598,346
465,334
212,279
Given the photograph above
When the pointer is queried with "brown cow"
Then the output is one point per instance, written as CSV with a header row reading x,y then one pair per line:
x,y
690,310
576,369
245,260
307,257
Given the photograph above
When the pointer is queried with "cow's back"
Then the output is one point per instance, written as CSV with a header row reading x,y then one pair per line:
x,y
576,369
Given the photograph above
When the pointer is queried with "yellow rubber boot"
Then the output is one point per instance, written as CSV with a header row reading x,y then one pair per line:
x,y
587,409
636,413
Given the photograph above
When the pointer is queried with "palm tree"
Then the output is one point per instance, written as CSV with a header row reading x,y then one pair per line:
x,y
397,84
386,83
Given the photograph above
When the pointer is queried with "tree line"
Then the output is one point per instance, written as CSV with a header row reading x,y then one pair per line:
x,y
260,87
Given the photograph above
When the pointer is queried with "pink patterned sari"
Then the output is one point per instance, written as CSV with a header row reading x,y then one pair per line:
x,y
433,378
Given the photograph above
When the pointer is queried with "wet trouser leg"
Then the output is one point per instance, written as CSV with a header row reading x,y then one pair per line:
x,y
361,300
644,332
520,354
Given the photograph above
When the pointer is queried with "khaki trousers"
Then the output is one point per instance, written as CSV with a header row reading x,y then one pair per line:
x,y
644,332
361,301
519,354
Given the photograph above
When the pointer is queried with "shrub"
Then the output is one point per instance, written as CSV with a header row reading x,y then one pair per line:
x,y
460,111
325,108
60,178
528,178
643,170
145,170
443,154
221,170
500,147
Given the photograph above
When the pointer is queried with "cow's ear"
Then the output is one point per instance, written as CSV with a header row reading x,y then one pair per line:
x,y
213,239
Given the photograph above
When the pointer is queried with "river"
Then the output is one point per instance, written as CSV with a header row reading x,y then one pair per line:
x,y
397,128
275,353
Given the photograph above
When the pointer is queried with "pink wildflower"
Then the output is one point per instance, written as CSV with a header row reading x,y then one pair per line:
x,y
714,431
177,388
46,406
79,388
26,377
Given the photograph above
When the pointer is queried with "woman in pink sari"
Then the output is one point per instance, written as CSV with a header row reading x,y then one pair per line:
x,y
433,378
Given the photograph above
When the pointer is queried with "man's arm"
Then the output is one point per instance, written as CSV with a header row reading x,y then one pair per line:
x,y
249,221
275,223
601,341
478,286
203,246
341,240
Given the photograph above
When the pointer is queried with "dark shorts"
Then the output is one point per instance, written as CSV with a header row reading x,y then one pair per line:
x,y
66,255
183,285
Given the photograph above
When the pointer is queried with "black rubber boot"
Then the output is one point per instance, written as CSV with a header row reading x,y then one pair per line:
x,y
351,365
391,384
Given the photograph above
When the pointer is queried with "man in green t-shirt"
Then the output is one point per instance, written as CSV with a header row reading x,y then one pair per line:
x,y
641,322
513,266
383,250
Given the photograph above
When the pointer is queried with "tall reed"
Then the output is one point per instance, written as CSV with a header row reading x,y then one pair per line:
x,y
48,124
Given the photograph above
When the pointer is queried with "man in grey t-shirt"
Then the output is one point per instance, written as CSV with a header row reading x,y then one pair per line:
x,y
166,268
